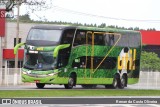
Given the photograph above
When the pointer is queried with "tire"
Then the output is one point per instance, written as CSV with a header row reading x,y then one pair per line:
x,y
40,85
70,84
123,82
116,82
90,86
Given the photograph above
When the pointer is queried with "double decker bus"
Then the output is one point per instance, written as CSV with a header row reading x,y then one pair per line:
x,y
78,55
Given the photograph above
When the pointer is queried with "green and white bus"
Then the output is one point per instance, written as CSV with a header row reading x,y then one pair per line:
x,y
78,55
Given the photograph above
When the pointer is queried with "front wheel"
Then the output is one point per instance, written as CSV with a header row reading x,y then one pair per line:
x,y
70,83
40,85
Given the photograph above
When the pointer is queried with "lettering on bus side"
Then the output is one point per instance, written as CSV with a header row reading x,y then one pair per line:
x,y
126,62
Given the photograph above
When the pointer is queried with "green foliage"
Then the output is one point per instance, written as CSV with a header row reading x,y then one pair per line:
x,y
151,29
150,61
136,28
25,18
103,25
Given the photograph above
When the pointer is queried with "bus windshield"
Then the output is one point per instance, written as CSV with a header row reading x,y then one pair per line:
x,y
44,34
39,60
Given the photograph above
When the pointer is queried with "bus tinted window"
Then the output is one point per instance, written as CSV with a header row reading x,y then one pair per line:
x,y
99,39
67,37
126,40
111,39
80,38
43,34
134,40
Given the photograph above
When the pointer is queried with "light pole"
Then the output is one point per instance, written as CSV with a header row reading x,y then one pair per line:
x,y
15,81
17,33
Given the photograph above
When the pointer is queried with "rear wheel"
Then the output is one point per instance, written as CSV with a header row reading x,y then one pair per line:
x,y
123,82
40,85
116,82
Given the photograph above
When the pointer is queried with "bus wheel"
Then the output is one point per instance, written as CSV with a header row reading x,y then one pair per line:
x,y
70,83
116,82
40,85
123,82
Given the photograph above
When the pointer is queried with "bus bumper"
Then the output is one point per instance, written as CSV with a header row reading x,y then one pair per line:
x,y
47,79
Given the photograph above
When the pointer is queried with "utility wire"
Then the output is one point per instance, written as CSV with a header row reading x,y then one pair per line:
x,y
99,16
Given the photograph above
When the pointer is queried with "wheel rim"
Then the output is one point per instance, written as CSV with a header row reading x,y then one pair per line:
x,y
122,82
71,82
115,83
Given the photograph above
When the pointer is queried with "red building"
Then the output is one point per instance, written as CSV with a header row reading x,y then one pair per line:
x,y
150,37
151,41
9,57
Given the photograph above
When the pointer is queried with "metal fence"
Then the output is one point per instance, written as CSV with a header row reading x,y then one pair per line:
x,y
147,80
10,76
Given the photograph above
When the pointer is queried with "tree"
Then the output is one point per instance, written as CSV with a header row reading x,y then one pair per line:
x,y
95,25
130,28
151,29
136,28
25,18
150,61
111,26
103,25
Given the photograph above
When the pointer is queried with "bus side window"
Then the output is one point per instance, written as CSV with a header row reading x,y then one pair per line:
x,y
109,39
99,39
67,37
80,39
89,39
77,40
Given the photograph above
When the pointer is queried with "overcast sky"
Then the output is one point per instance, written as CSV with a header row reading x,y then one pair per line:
x,y
128,13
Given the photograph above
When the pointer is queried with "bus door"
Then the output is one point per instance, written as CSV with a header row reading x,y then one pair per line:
x,y
64,54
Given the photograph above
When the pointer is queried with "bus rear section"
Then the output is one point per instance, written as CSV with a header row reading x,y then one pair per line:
x,y
106,57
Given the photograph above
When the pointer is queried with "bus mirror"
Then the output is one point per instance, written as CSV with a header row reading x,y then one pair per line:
x,y
17,47
56,50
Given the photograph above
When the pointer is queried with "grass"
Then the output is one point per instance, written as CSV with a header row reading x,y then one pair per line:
x,y
71,93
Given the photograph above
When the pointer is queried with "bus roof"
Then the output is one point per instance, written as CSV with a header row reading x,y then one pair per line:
x,y
51,27
106,29
63,27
